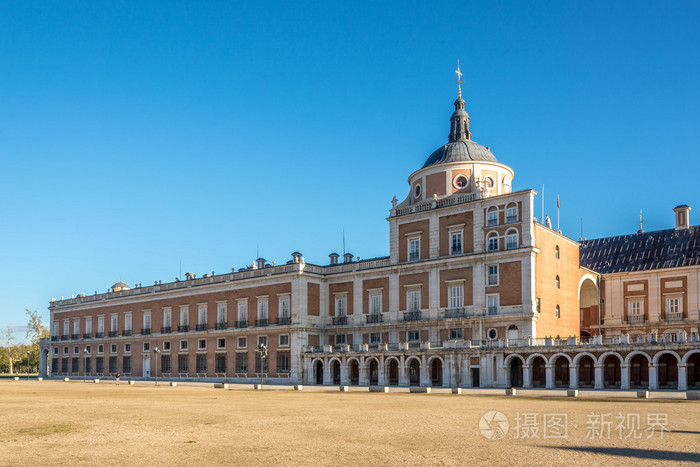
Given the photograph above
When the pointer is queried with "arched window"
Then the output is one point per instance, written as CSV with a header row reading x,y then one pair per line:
x,y
556,252
492,242
557,312
556,282
511,213
492,216
512,239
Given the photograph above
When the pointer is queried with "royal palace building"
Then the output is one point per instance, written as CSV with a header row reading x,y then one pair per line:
x,y
475,292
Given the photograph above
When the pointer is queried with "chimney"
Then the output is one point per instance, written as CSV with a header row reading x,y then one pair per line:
x,y
296,255
347,257
334,258
682,216
261,262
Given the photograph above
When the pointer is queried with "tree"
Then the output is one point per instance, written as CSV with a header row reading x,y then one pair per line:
x,y
35,332
10,353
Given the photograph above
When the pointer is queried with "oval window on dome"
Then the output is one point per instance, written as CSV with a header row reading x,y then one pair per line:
x,y
460,181
417,191
488,181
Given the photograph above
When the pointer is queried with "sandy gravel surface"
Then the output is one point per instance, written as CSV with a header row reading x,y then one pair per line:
x,y
58,423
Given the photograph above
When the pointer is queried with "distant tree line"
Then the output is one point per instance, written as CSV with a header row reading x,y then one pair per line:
x,y
15,358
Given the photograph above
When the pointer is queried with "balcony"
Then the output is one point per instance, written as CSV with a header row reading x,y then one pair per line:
x,y
126,332
183,328
241,324
412,315
87,335
221,325
374,318
511,219
64,337
201,327
145,331
455,313
261,322
493,310
674,316
283,320
340,320
99,335
166,329
54,338
413,256
113,333
636,319
75,336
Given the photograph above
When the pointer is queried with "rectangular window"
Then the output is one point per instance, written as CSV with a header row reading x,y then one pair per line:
x,y
127,348
184,316
202,344
146,346
375,338
493,243
112,365
413,299
221,313
493,275
127,322
88,325
341,305
375,302
512,241
202,315
283,362
456,296
340,339
100,348
88,349
146,321
75,365
126,364
455,334
201,363
183,345
492,218
284,307
66,326
165,363
413,249
221,343
88,366
673,305
261,363
113,326
100,324
55,328
243,312
76,349
492,301
456,243
220,364
100,365
182,364
76,327
113,348
242,362
65,350
413,336
511,214
242,343
284,340
262,308
167,318
166,346
262,340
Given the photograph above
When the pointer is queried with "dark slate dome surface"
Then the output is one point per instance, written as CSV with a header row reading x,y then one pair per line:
x,y
460,151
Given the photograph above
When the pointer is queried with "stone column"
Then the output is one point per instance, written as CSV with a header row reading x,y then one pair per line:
x,y
326,372
654,377
527,377
424,373
549,376
598,367
625,376
573,376
448,374
364,380
682,376
344,380
403,380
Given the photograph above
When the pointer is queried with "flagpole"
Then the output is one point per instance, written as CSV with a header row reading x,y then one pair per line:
x,y
557,213
542,218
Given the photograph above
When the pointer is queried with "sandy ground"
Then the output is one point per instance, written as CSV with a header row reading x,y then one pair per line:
x,y
53,422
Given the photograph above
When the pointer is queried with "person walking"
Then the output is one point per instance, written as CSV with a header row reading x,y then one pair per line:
x,y
118,376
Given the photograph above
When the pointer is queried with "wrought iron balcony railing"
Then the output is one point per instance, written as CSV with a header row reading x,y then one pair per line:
x,y
261,322
412,315
374,318
241,324
283,320
201,327
166,329
183,328
221,325
340,320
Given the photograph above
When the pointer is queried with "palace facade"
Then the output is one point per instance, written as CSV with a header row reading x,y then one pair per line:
x,y
475,292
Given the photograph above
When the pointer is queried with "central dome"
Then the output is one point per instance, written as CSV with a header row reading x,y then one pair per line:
x,y
460,151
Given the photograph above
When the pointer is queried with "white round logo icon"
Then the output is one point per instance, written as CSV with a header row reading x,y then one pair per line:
x,y
493,425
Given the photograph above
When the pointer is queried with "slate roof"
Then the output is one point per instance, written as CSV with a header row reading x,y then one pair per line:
x,y
460,151
660,249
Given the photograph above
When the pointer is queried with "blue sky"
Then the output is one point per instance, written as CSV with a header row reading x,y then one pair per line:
x,y
136,136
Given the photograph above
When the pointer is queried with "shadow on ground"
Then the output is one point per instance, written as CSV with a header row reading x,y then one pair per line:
x,y
651,454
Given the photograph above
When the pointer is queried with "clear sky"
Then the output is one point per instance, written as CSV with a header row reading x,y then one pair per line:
x,y
138,136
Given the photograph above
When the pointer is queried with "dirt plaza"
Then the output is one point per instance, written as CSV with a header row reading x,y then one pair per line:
x,y
56,422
